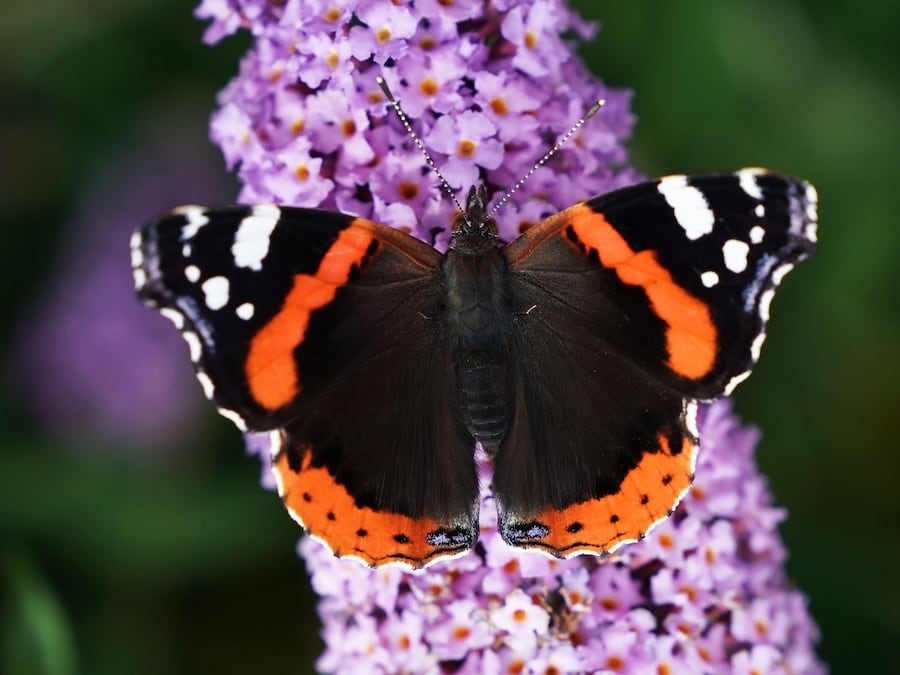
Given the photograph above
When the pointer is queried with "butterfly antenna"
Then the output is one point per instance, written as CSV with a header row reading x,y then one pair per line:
x,y
552,151
412,134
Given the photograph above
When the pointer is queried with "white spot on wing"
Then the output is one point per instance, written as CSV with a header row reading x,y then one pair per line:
x,y
803,212
234,417
206,383
174,316
765,301
192,272
811,232
781,272
245,311
137,260
760,210
735,254
216,291
140,278
735,381
812,215
709,278
251,241
757,234
196,218
756,347
275,440
690,418
747,180
186,250
691,209
137,253
193,343
812,202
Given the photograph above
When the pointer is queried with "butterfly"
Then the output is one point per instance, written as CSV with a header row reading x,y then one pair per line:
x,y
575,355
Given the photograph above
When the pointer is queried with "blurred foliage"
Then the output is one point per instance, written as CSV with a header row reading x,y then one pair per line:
x,y
111,563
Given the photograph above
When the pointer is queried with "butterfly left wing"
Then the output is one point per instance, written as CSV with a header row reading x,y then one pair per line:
x,y
312,325
633,306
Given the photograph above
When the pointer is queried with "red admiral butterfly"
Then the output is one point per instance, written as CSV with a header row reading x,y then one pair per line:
x,y
575,354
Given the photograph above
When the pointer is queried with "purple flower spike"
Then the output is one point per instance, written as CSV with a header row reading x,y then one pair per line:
x,y
489,88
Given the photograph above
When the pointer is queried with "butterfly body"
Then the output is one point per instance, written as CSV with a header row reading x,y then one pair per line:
x,y
478,313
575,354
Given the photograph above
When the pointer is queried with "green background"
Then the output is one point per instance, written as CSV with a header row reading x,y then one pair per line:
x,y
110,563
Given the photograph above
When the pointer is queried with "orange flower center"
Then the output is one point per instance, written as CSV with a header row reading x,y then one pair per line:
x,y
408,190
466,148
498,105
428,87
615,663
461,633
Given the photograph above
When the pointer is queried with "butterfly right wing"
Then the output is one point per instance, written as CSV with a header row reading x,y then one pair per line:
x,y
632,307
314,326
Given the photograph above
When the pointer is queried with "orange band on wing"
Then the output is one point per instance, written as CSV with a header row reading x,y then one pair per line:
x,y
324,507
647,495
270,367
691,333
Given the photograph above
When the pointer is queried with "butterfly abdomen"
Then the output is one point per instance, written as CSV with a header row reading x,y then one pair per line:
x,y
482,398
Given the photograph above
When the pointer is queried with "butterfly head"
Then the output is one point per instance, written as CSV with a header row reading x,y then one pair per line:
x,y
474,231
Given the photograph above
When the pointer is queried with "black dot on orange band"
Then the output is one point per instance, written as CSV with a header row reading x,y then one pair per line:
x,y
330,515
667,479
574,527
307,497
401,538
361,532
614,518
645,499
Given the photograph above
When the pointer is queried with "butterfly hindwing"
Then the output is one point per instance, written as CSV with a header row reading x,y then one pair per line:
x,y
632,306
309,323
597,449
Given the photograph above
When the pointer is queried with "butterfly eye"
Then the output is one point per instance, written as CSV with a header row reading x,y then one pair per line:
x,y
460,224
488,227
